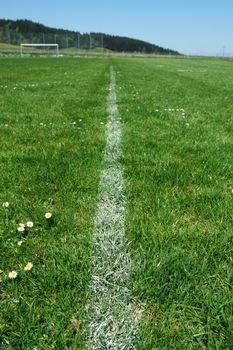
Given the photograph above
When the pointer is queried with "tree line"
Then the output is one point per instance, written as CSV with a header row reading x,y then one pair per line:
x,y
25,31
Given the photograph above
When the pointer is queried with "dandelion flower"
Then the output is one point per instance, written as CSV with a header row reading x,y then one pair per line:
x,y
5,204
29,224
48,215
28,267
12,275
21,228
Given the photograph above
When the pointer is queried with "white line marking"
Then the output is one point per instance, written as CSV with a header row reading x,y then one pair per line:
x,y
113,313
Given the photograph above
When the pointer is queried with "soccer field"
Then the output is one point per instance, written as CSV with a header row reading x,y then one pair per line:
x,y
163,128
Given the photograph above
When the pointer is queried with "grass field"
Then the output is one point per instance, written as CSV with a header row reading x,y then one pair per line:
x,y
9,49
177,136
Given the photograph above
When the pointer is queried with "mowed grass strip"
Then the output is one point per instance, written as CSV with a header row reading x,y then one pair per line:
x,y
177,139
52,116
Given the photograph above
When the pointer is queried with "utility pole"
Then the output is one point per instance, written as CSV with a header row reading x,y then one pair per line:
x,y
67,43
9,37
102,43
79,41
43,41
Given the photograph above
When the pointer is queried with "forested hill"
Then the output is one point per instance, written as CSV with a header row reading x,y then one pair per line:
x,y
23,31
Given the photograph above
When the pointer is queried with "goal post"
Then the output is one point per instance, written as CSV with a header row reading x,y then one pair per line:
x,y
55,46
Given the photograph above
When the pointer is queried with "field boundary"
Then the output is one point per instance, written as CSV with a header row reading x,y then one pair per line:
x,y
113,322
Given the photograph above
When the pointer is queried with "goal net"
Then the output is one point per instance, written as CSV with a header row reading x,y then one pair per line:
x,y
39,49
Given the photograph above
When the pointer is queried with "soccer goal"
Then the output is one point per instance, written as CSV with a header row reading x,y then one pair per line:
x,y
45,49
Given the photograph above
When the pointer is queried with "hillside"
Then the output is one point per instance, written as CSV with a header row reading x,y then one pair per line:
x,y
23,31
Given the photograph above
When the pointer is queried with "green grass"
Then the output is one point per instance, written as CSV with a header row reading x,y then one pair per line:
x,y
8,49
4,46
178,170
49,164
177,144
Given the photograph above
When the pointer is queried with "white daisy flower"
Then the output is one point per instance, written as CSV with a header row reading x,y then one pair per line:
x,y
48,215
13,274
21,228
5,204
29,224
28,267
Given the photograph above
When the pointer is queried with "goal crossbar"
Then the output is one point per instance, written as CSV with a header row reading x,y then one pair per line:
x,y
38,45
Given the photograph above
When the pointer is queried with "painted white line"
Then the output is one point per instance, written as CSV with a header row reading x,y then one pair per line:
x,y
112,311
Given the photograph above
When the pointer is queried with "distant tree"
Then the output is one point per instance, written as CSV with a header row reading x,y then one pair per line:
x,y
23,30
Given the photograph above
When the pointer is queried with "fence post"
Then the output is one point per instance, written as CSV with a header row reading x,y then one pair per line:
x,y
9,37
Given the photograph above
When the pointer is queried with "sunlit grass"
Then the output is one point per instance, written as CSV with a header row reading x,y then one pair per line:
x,y
177,149
177,136
51,148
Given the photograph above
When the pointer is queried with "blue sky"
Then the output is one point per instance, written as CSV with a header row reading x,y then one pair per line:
x,y
189,26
